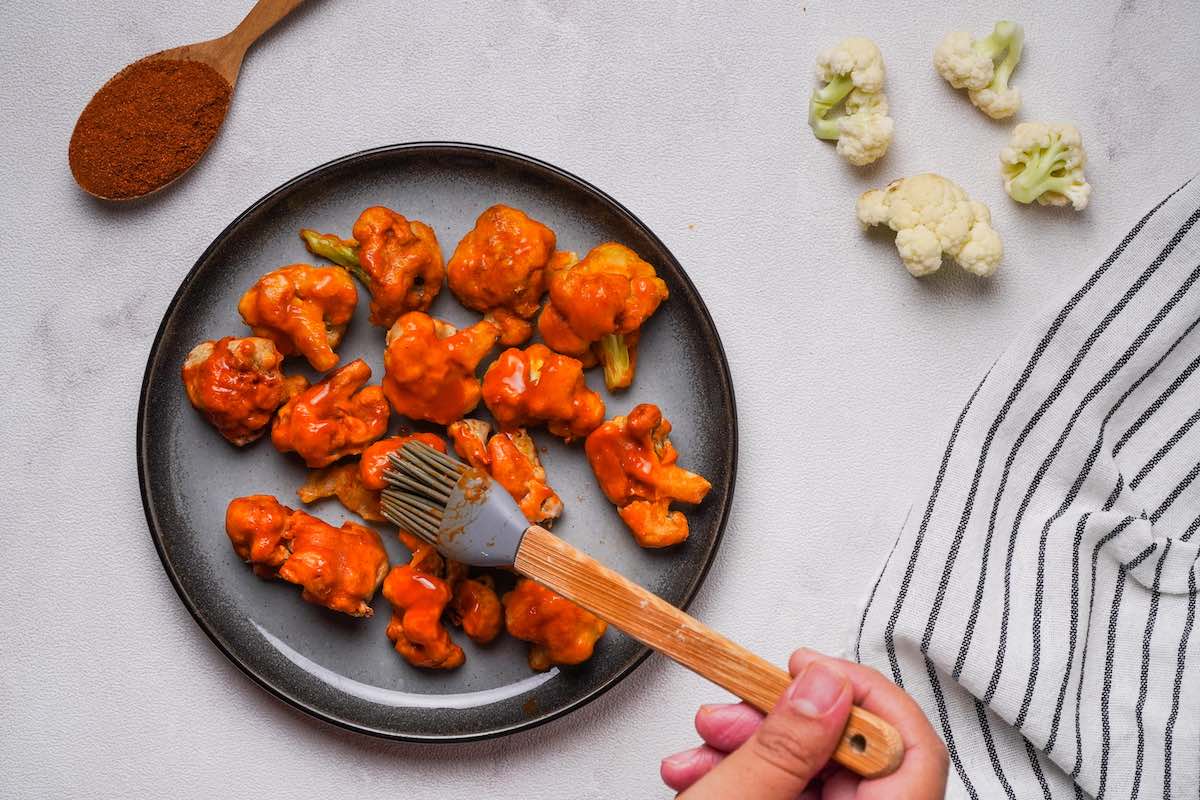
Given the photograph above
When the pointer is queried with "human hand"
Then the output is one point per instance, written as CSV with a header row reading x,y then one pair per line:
x,y
785,755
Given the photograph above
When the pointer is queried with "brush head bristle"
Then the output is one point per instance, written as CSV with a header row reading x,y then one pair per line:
x,y
450,505
420,481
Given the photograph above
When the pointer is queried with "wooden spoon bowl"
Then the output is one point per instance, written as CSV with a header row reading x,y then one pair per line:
x,y
224,55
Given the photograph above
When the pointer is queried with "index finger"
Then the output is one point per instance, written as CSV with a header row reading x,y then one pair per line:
x,y
925,757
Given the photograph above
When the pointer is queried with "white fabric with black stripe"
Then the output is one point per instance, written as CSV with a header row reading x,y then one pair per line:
x,y
1040,602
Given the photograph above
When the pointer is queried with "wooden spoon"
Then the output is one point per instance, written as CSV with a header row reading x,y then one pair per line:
x,y
224,55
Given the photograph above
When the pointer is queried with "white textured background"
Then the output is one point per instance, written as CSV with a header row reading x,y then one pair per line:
x,y
693,114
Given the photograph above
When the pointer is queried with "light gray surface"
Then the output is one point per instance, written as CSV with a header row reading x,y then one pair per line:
x,y
846,368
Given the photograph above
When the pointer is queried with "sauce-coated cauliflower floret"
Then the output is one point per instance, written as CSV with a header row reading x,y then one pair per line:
x,y
511,458
257,526
397,259
335,418
343,481
853,75
933,217
499,269
560,631
339,568
1045,163
634,463
967,63
430,366
302,309
418,600
476,609
597,308
534,386
236,384
402,262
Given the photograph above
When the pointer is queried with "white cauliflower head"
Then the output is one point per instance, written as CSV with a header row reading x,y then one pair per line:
x,y
967,63
853,72
1044,162
865,130
933,218
856,58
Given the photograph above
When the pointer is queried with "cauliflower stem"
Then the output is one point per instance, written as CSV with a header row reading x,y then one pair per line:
x,y
823,101
343,252
1045,171
1006,35
614,355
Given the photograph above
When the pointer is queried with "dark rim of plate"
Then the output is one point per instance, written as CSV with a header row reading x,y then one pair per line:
x,y
144,485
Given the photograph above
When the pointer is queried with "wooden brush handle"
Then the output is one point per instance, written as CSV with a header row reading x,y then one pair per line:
x,y
870,746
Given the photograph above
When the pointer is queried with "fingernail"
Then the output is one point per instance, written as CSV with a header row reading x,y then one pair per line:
x,y
709,708
681,759
816,690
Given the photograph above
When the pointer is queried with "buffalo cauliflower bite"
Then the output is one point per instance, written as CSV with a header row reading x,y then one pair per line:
x,y
1045,163
511,458
343,481
853,73
476,609
634,463
534,386
302,309
597,307
338,568
933,217
560,631
499,269
430,366
397,259
335,418
257,526
236,384
967,63
418,600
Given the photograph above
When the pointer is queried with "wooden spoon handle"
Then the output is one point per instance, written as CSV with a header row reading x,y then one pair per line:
x,y
870,746
260,20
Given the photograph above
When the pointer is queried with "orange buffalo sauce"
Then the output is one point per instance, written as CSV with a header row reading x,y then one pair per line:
x,y
634,463
560,631
401,260
476,609
236,384
499,269
535,386
430,367
418,600
511,458
339,568
302,309
337,417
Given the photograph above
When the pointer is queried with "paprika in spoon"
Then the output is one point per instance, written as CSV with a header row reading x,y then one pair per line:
x,y
153,120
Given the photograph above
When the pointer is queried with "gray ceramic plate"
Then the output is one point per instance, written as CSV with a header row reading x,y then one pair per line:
x,y
344,670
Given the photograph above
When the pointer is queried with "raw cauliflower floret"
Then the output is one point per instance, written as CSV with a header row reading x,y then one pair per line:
x,y
969,64
853,74
933,218
1044,162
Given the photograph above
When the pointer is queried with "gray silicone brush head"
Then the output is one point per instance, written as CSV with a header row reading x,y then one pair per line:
x,y
451,506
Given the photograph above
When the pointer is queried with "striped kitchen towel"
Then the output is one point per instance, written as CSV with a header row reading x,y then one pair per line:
x,y
1040,602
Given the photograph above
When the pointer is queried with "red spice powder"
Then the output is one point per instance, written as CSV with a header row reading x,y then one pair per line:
x,y
147,126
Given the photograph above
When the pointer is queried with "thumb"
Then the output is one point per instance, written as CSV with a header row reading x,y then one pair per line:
x,y
793,744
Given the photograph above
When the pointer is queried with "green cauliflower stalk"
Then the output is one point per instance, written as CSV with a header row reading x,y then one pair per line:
x,y
618,365
971,64
343,252
853,76
1045,163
